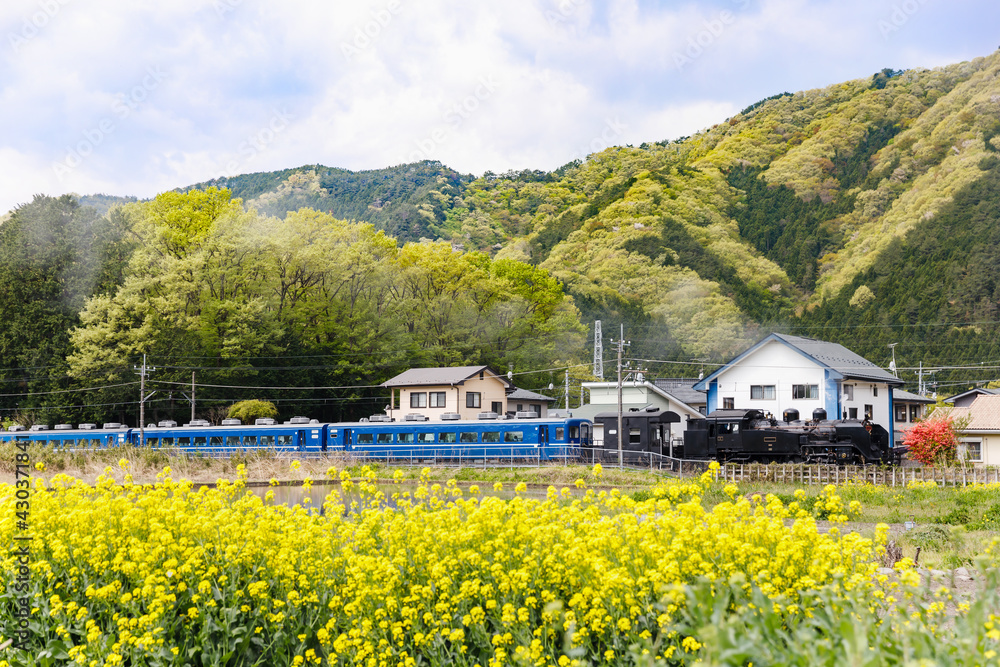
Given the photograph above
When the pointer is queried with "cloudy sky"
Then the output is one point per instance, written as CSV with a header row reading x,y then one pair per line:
x,y
133,98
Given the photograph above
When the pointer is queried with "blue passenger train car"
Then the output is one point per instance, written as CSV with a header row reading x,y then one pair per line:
x,y
544,439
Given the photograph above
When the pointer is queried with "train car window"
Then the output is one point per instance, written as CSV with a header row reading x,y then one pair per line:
x,y
183,442
168,442
153,442
365,438
425,437
200,441
491,436
383,438
405,437
560,433
634,436
513,436
447,437
249,441
469,437
232,441
284,440
215,441
574,432
267,441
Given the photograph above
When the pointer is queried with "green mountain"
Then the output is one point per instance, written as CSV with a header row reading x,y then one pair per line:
x,y
404,201
864,213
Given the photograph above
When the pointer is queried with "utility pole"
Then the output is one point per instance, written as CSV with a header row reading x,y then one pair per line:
x,y
143,398
192,396
621,345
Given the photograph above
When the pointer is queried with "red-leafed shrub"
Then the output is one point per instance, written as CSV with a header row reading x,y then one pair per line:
x,y
934,441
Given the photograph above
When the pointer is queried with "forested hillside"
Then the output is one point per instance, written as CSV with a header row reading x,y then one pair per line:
x,y
864,213
396,200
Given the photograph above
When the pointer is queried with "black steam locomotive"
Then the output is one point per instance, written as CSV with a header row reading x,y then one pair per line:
x,y
750,435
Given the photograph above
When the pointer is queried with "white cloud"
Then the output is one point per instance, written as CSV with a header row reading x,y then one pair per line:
x,y
479,86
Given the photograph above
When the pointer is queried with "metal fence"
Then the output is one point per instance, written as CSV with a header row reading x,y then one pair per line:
x,y
808,474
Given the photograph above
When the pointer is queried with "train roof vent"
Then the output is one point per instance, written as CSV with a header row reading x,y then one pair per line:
x,y
450,416
299,420
15,427
111,425
380,418
488,415
167,423
87,427
64,427
263,421
198,423
40,427
364,420
231,422
415,417
313,421
526,414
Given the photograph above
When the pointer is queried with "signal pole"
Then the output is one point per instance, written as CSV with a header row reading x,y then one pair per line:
x,y
566,391
598,351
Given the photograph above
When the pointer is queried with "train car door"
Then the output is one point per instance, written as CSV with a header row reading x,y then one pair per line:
x,y
347,439
302,440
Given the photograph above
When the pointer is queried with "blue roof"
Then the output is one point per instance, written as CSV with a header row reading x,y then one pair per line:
x,y
833,356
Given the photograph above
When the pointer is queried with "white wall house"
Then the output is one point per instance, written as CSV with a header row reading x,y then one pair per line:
x,y
980,436
791,372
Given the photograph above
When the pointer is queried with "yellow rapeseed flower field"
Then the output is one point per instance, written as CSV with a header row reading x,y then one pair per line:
x,y
167,574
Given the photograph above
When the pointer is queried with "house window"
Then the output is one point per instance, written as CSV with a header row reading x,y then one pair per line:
x,y
849,392
914,413
418,399
520,407
537,409
497,407
438,399
472,399
852,413
805,391
869,411
762,392
901,413
728,403
973,451
874,390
